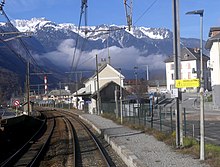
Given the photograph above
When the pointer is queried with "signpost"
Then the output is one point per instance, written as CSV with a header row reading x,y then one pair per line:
x,y
187,83
16,103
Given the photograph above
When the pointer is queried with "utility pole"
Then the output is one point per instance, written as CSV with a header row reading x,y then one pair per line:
x,y
136,79
76,91
121,111
28,87
59,98
109,58
116,101
177,55
98,93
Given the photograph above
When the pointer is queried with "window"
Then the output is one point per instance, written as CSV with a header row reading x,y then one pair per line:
x,y
189,75
172,66
189,65
172,76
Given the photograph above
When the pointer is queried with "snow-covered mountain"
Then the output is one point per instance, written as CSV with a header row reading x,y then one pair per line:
x,y
51,34
36,24
56,44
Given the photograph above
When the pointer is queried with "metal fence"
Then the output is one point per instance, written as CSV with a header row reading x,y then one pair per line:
x,y
160,117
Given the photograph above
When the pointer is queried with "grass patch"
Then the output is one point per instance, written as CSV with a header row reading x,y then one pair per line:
x,y
212,154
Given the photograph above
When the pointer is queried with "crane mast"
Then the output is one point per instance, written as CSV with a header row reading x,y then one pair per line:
x,y
84,7
128,12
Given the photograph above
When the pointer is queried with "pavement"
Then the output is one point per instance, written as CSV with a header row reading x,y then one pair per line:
x,y
138,149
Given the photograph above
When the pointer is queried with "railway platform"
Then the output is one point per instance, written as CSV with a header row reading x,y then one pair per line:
x,y
138,149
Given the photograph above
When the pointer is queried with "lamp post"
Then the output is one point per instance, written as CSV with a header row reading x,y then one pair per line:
x,y
202,150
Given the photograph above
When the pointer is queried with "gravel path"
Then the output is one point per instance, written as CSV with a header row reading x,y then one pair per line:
x,y
138,149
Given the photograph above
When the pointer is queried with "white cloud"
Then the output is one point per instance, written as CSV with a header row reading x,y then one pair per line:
x,y
125,58
63,55
153,61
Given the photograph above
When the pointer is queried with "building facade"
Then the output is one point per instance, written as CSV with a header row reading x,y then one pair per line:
x,y
106,74
213,45
190,68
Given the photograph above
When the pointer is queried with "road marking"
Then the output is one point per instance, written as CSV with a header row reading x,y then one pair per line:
x,y
209,138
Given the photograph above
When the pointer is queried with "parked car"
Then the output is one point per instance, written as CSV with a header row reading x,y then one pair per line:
x,y
165,91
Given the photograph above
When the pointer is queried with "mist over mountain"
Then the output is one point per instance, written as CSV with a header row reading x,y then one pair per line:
x,y
55,47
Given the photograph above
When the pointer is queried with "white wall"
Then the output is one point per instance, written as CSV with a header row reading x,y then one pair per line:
x,y
215,63
186,72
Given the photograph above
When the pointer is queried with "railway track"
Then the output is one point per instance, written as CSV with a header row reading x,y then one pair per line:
x,y
88,149
63,140
30,153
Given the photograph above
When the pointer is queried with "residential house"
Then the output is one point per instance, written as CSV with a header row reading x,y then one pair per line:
x,y
189,68
143,87
78,101
58,96
213,44
108,77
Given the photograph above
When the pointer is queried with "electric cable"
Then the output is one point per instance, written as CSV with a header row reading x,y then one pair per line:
x,y
151,5
11,26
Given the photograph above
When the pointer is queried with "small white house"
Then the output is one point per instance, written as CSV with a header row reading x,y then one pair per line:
x,y
190,68
213,44
106,74
77,101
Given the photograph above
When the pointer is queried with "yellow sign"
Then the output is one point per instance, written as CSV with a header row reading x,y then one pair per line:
x,y
187,83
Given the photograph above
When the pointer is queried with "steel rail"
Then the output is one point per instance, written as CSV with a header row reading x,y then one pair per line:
x,y
41,151
12,159
102,150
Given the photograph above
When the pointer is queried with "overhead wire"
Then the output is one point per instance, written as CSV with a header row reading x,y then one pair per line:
x,y
11,26
74,61
106,32
13,51
151,5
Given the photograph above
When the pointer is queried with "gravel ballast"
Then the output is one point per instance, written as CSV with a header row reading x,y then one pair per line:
x,y
138,149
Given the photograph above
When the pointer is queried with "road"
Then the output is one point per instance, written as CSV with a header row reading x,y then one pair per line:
x,y
190,101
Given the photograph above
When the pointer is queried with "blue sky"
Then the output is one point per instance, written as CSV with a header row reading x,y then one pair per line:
x,y
112,12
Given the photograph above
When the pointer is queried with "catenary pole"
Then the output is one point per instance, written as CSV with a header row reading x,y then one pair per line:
x,y
98,93
177,54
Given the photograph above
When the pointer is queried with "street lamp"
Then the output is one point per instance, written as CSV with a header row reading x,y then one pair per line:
x,y
202,150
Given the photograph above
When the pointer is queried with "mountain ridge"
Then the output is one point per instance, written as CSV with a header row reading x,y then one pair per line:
x,y
58,46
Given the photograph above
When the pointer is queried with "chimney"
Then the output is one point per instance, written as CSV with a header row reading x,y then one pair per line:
x,y
214,31
196,50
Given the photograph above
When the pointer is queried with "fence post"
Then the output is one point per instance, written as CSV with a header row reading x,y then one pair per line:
x,y
145,115
193,133
152,115
160,119
171,119
139,113
129,110
134,114
184,112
